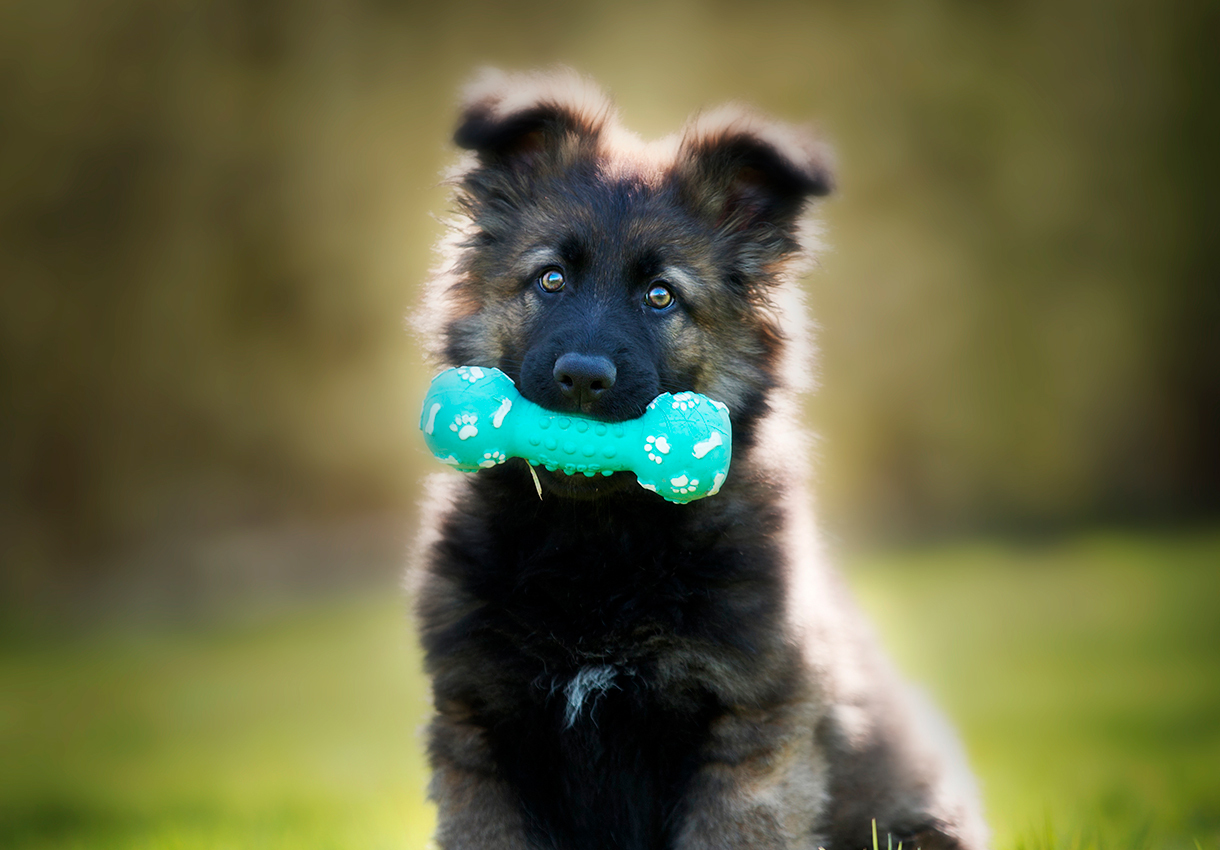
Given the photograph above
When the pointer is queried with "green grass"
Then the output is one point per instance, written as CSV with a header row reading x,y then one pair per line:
x,y
295,731
1084,676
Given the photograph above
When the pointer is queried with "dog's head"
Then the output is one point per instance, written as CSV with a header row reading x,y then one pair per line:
x,y
598,271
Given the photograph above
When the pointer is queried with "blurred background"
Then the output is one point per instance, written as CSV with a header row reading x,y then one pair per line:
x,y
216,217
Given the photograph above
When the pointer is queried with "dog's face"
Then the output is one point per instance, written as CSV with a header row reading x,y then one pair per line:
x,y
598,271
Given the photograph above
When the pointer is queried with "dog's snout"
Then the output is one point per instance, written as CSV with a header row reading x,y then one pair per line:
x,y
584,378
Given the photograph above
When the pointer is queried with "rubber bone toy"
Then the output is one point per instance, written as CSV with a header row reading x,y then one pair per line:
x,y
474,418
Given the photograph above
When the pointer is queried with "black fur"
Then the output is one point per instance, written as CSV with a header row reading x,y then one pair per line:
x,y
567,583
611,670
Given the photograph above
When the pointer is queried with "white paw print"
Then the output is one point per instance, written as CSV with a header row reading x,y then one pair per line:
x,y
464,424
656,444
717,480
470,373
490,459
682,484
684,401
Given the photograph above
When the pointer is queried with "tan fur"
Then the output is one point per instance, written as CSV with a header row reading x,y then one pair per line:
x,y
479,810
852,744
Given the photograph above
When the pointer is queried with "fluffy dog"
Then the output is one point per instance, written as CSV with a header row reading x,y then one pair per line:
x,y
610,670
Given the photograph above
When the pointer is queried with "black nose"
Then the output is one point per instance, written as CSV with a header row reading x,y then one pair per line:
x,y
584,378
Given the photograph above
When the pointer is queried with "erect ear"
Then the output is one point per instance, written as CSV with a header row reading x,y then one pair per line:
x,y
740,170
515,119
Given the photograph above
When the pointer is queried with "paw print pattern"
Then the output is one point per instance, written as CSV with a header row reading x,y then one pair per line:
x,y
704,446
431,423
682,484
497,418
653,445
471,374
684,401
464,424
490,459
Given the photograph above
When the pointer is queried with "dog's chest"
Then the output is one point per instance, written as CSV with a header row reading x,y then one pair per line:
x,y
599,636
600,761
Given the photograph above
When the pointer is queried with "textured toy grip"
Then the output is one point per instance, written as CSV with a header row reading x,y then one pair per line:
x,y
474,418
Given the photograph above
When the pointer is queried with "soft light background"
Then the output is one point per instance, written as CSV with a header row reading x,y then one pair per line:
x,y
215,217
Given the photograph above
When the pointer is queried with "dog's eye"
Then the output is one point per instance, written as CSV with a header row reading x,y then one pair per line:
x,y
659,296
551,280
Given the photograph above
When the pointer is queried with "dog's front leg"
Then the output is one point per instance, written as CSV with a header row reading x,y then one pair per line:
x,y
763,786
475,809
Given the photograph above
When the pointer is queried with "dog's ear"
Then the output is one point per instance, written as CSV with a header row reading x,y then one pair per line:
x,y
515,120
741,171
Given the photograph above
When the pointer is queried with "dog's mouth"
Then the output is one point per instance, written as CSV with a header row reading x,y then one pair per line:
x,y
581,486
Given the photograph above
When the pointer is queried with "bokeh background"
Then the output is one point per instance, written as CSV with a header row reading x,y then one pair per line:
x,y
216,217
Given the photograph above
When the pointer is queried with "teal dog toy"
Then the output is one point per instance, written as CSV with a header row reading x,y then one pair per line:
x,y
474,418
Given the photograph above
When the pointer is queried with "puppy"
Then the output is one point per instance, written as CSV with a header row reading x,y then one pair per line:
x,y
610,670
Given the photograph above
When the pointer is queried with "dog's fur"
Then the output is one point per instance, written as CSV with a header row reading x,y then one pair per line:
x,y
611,670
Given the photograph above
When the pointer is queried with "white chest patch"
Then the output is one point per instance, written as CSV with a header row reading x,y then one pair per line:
x,y
589,683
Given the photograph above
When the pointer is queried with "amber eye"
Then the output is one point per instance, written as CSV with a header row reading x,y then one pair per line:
x,y
659,296
551,280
